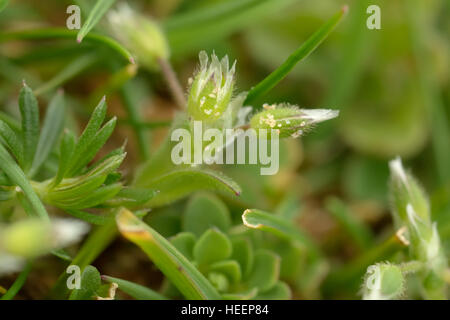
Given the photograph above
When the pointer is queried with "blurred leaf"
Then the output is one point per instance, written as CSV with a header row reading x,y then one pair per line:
x,y
135,290
205,211
188,280
19,282
359,232
50,132
265,271
61,33
3,4
212,246
280,291
97,12
89,217
243,253
67,73
131,197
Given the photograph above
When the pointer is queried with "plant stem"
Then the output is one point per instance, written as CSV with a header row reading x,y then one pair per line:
x,y
173,83
17,285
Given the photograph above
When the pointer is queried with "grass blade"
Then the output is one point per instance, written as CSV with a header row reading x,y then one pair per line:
x,y
68,72
135,290
51,131
3,4
94,17
18,284
60,33
189,281
301,53
29,112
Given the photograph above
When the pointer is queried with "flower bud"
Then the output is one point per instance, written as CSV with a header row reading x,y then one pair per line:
x,y
383,281
140,34
211,88
289,120
411,208
33,237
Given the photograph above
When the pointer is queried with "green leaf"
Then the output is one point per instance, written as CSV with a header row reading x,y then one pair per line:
x,y
17,176
19,282
184,242
243,253
247,295
51,130
301,53
179,183
65,155
230,268
135,290
90,284
188,280
89,217
212,246
266,270
280,291
205,211
131,197
12,140
257,219
72,69
94,146
29,112
95,15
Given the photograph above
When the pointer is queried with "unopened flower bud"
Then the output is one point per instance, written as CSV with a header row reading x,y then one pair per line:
x,y
289,120
412,209
211,88
140,34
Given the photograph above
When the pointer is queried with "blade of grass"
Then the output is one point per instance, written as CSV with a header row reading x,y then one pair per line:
x,y
60,33
94,17
301,53
18,284
135,290
68,72
188,280
359,232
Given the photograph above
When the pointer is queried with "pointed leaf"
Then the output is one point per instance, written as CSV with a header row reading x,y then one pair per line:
x,y
29,112
135,290
51,130
95,15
